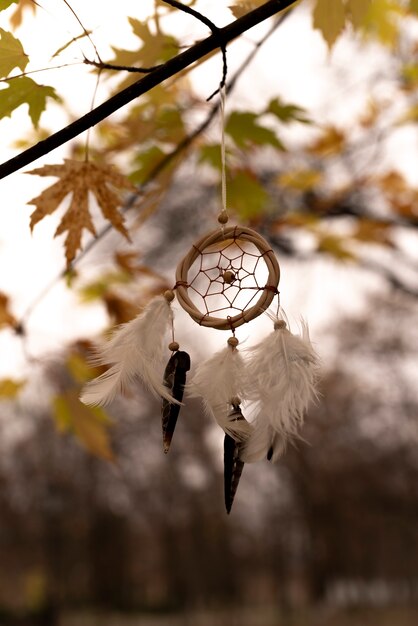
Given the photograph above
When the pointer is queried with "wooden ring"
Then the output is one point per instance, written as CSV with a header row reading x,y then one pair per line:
x,y
237,233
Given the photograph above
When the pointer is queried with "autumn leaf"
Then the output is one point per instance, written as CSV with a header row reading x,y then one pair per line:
x,y
287,112
17,16
11,53
329,18
155,48
6,318
90,425
244,129
245,6
10,388
382,20
330,143
246,195
373,231
4,4
78,179
211,154
24,90
81,371
146,162
335,246
302,179
357,11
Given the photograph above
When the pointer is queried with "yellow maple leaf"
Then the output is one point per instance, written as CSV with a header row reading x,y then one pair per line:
x,y
90,425
78,178
245,6
329,17
9,388
357,11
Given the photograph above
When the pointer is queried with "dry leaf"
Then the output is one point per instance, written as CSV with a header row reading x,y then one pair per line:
x,y
331,142
90,425
78,178
17,17
9,388
329,16
6,318
242,7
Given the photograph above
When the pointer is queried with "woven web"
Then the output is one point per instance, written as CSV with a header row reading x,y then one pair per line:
x,y
227,278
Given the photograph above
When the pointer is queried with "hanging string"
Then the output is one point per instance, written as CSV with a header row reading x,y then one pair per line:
x,y
223,155
223,215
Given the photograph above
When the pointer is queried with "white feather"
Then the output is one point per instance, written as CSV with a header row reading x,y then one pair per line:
x,y
134,351
263,439
284,373
218,380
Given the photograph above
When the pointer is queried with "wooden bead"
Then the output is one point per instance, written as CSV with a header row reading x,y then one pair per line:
x,y
233,342
173,346
228,276
279,324
223,217
169,295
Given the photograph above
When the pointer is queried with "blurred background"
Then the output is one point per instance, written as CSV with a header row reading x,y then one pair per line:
x,y
97,525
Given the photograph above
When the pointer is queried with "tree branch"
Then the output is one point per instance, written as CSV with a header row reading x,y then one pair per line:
x,y
215,31
145,84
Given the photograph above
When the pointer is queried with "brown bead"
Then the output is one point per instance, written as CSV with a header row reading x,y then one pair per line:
x,y
279,324
223,217
173,346
169,295
233,342
228,277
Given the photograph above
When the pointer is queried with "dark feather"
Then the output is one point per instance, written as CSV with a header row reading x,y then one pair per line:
x,y
233,465
174,380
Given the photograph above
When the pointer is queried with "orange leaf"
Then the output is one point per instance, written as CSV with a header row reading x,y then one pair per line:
x,y
78,178
331,142
6,318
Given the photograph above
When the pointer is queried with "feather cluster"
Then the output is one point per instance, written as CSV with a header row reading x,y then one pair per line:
x,y
220,380
134,352
284,373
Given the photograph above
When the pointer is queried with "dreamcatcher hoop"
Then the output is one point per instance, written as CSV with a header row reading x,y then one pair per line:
x,y
268,292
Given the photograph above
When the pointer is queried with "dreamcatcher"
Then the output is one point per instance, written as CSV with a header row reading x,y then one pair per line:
x,y
228,278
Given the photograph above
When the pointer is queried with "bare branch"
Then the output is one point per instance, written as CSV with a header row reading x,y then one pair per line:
x,y
124,68
215,31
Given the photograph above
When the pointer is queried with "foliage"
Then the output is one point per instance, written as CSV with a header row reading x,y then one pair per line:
x,y
80,178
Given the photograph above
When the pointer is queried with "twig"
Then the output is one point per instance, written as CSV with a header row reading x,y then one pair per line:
x,y
215,31
125,68
86,32
145,84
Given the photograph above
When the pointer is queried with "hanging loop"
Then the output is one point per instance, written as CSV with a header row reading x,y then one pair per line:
x,y
241,235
